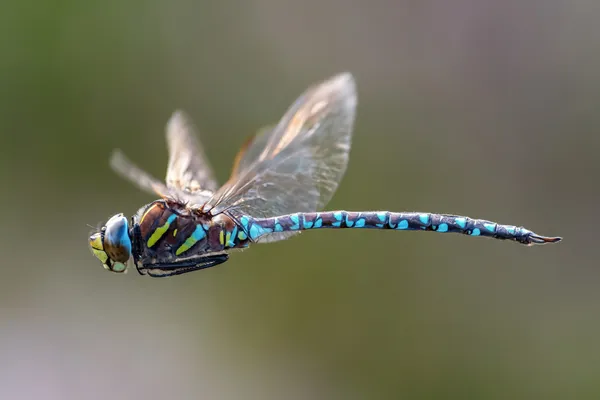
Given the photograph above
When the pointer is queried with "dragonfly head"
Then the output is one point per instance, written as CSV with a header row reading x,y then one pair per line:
x,y
112,245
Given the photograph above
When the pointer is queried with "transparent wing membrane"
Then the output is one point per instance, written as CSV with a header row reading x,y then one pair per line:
x,y
131,172
250,152
188,170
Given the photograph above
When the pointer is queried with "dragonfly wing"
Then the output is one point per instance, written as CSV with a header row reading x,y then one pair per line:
x,y
250,152
247,155
143,180
297,166
188,170
275,237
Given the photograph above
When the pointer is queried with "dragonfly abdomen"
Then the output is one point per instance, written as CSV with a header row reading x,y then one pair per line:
x,y
409,221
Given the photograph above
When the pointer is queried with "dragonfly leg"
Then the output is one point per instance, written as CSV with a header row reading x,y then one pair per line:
x,y
161,270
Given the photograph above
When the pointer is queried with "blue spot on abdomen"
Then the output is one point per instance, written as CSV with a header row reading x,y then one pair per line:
x,y
255,231
318,222
349,222
338,216
490,227
307,224
278,227
296,220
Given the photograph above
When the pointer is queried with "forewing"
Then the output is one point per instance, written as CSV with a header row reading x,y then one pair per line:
x,y
298,165
250,152
188,170
143,180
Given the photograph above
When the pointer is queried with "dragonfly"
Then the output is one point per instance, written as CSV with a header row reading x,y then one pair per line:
x,y
281,180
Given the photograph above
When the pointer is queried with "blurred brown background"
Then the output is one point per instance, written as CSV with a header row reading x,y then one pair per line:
x,y
483,108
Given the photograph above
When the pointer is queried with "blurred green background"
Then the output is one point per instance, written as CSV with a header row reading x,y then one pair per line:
x,y
483,108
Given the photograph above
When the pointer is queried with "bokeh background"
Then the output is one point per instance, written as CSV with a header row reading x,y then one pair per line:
x,y
483,108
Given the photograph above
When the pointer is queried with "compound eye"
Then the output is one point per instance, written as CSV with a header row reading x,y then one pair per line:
x,y
117,243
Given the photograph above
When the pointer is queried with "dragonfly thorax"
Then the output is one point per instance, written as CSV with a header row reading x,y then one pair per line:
x,y
167,232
